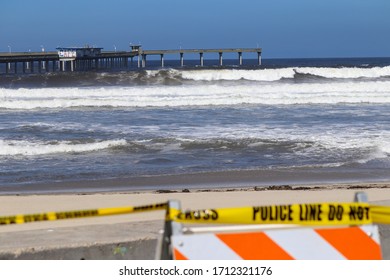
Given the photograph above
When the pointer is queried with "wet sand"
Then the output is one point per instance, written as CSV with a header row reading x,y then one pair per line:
x,y
34,240
203,180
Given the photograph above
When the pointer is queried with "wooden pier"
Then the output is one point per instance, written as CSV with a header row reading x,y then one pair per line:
x,y
86,58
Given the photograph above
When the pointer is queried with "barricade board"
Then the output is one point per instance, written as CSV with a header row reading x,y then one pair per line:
x,y
336,243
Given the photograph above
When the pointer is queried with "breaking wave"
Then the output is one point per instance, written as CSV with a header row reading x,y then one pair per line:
x,y
27,148
185,76
198,95
270,75
197,87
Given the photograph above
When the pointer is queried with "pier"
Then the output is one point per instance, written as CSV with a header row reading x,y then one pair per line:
x,y
201,53
91,58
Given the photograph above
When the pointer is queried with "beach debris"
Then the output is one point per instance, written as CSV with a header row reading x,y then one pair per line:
x,y
166,191
280,188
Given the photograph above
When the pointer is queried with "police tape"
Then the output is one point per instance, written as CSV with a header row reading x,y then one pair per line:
x,y
298,214
313,214
380,214
52,216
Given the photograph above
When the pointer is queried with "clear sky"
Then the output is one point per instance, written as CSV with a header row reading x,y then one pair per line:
x,y
283,28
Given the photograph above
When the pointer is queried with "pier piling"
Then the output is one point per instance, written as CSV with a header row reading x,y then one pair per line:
x,y
181,59
240,58
220,58
162,60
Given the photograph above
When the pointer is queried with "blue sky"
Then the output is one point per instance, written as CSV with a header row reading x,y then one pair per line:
x,y
283,28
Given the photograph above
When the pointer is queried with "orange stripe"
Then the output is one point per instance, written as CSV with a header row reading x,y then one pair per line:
x,y
254,246
178,256
352,242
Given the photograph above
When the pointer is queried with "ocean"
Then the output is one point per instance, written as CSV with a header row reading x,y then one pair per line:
x,y
325,120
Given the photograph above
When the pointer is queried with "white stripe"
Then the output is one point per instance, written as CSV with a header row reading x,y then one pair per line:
x,y
304,244
203,247
372,231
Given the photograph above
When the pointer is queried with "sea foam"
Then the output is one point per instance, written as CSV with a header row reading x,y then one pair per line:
x,y
198,95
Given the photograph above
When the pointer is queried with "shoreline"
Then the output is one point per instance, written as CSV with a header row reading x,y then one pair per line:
x,y
261,178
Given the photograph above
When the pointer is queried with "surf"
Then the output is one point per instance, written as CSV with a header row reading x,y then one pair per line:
x,y
199,94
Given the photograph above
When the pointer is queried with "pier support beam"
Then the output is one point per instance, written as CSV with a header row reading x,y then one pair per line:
x,y
72,65
143,60
181,59
162,60
240,58
220,59
259,58
201,59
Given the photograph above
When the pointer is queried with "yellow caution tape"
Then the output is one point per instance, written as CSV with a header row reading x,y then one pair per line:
x,y
51,216
298,214
312,214
380,214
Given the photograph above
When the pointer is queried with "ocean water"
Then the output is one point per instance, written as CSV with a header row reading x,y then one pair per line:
x,y
311,114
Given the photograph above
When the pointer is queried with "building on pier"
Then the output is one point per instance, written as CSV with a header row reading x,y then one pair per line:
x,y
78,52
69,55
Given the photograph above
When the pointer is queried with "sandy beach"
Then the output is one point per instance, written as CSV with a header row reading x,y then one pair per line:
x,y
134,236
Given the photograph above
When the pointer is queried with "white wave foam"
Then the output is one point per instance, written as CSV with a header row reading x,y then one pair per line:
x,y
346,73
198,95
266,75
361,145
25,148
385,148
269,75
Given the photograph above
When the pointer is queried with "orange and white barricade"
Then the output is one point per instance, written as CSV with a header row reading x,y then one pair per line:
x,y
321,231
354,243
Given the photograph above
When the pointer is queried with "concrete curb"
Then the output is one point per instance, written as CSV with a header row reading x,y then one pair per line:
x,y
143,249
